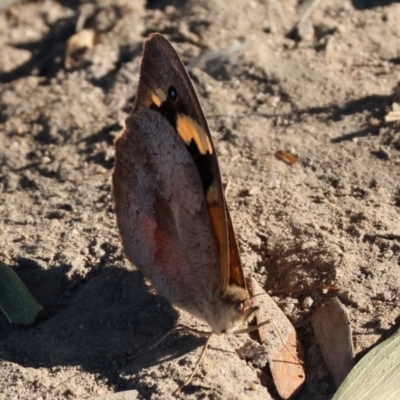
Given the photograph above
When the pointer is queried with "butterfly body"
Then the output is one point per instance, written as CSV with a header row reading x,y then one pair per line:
x,y
171,211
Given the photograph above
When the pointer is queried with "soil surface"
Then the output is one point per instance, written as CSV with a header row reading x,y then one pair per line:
x,y
321,92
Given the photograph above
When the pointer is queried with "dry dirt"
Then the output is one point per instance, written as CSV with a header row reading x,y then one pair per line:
x,y
330,219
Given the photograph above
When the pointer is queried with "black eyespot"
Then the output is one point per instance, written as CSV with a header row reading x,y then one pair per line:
x,y
223,331
172,93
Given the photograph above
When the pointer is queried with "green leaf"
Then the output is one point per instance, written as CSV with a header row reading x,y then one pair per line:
x,y
376,376
16,302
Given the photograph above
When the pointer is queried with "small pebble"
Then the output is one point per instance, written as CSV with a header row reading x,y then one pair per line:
x,y
46,160
307,245
287,308
307,302
253,386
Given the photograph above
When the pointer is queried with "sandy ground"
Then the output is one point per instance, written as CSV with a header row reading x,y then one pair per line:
x,y
330,219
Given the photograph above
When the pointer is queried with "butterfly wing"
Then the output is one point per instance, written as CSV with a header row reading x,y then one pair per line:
x,y
162,213
165,87
236,276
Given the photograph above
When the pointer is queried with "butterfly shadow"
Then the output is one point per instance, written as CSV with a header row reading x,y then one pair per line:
x,y
93,322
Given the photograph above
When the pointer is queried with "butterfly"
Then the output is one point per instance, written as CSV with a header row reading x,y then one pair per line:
x,y
171,210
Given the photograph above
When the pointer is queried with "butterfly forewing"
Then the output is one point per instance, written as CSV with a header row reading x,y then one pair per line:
x,y
175,99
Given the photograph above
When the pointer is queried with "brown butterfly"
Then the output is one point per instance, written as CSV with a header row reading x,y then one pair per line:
x,y
170,205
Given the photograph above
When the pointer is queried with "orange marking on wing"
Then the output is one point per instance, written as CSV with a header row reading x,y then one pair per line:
x,y
214,213
217,218
156,97
189,129
236,275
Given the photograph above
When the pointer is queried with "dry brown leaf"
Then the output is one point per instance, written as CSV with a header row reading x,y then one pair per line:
x,y
286,157
332,330
284,350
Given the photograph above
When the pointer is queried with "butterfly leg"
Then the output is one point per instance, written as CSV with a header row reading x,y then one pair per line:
x,y
203,352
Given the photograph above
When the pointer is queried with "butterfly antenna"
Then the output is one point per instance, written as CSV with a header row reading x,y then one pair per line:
x,y
203,352
175,328
251,328
255,327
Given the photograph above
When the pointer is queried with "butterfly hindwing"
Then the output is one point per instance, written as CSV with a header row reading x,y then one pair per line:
x,y
162,213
